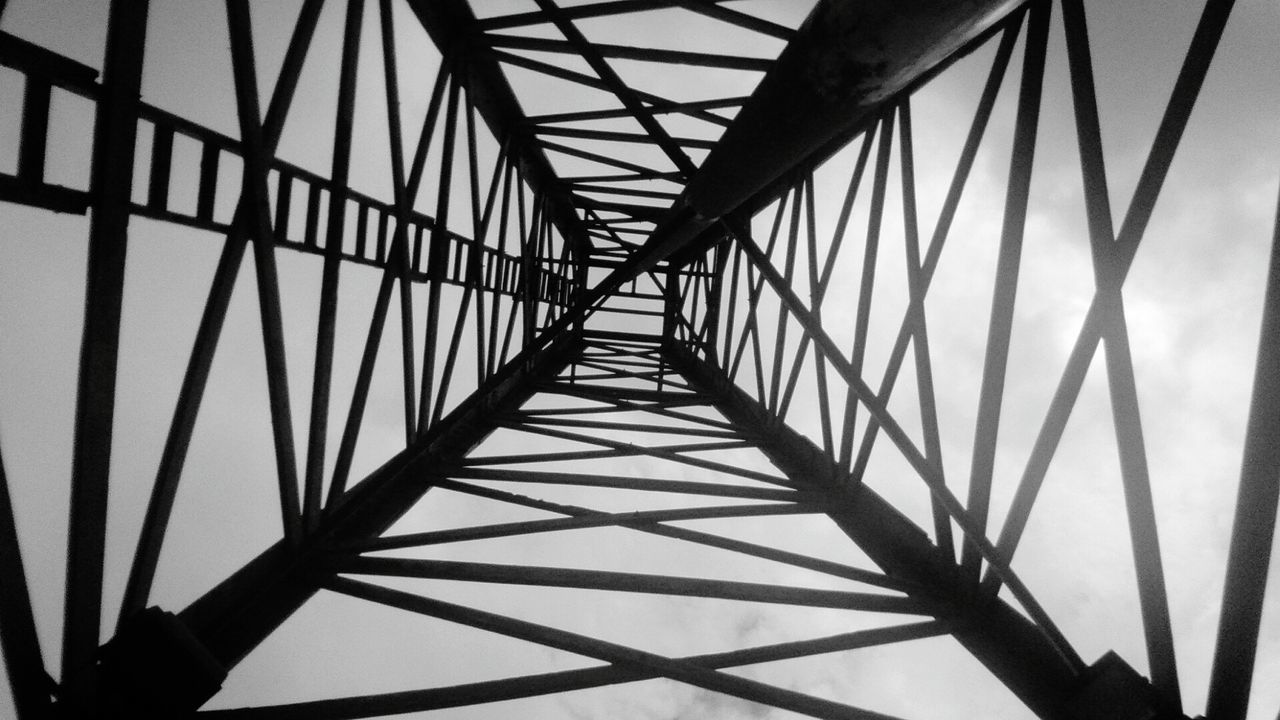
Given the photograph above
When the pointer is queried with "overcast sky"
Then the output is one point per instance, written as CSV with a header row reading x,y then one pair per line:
x,y
1193,302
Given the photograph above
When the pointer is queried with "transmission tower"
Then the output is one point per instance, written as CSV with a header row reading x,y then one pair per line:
x,y
626,337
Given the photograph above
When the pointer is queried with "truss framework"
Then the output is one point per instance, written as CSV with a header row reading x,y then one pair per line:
x,y
709,237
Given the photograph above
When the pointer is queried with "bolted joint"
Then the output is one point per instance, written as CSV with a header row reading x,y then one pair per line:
x,y
156,667
1112,690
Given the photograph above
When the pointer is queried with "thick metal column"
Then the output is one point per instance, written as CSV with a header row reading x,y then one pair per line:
x,y
115,134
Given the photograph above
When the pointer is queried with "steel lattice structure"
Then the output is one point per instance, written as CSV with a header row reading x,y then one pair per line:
x,y
641,313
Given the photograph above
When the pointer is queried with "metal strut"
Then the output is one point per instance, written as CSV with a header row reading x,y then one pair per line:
x,y
1015,650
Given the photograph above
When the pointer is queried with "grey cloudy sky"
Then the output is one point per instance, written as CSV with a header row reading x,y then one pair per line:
x,y
1193,301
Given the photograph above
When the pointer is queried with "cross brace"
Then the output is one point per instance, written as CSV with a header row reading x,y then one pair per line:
x,y
998,636
219,629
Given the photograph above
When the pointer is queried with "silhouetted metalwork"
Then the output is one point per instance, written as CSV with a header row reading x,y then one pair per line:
x,y
713,244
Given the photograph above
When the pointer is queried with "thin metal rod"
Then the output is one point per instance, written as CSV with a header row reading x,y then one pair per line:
x,y
656,375
821,282
627,427
451,354
626,52
728,326
674,453
481,223
255,188
620,450
513,310
867,281
607,393
927,472
698,537
595,9
611,652
535,576
428,131
643,172
1177,113
403,208
455,342
436,260
1153,598
1026,657
649,100
529,271
788,271
751,329
504,215
29,682
619,482
1253,528
715,297
194,381
615,367
1004,295
620,137
364,706
480,226
326,322
920,329
941,230
623,406
818,290
533,527
364,376
740,19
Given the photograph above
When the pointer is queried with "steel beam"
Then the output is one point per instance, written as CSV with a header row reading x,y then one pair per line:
x,y
1255,521
29,683
326,326
528,575
615,654
489,691
164,490
1016,651
844,63
816,95
1000,326
451,24
115,135
232,618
